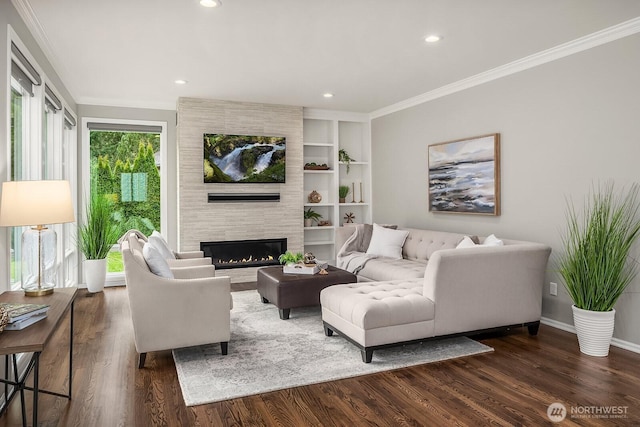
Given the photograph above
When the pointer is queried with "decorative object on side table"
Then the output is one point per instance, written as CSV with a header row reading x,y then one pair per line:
x,y
34,204
4,318
343,191
314,197
596,266
310,216
96,236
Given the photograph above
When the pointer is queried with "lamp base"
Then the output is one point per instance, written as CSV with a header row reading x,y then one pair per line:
x,y
38,292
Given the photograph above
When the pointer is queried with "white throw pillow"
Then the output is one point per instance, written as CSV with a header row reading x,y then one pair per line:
x,y
492,240
156,262
466,242
160,244
387,242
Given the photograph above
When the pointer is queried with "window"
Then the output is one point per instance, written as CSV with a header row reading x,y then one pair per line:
x,y
41,148
124,160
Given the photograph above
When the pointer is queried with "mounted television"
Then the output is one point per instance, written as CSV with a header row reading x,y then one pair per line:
x,y
244,158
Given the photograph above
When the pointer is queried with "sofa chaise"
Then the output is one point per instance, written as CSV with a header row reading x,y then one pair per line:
x,y
462,291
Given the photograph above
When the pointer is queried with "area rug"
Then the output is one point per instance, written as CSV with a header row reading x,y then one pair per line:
x,y
267,354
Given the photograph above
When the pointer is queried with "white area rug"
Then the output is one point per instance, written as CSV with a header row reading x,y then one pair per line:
x,y
266,354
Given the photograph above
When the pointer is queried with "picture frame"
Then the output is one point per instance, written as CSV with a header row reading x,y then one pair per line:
x,y
464,176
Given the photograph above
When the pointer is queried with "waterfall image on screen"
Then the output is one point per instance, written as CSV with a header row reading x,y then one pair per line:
x,y
244,158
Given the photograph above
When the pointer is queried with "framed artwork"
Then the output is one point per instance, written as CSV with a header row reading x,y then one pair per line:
x,y
464,176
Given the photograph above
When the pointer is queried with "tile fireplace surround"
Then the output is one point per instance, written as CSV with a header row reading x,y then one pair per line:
x,y
201,221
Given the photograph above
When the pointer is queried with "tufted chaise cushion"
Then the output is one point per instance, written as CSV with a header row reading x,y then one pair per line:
x,y
379,312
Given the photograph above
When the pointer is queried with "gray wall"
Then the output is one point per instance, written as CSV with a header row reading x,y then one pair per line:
x,y
564,126
9,16
168,116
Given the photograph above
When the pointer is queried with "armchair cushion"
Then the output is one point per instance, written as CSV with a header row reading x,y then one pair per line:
x,y
160,244
156,262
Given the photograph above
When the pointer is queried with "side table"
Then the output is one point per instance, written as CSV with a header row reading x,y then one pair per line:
x,y
34,339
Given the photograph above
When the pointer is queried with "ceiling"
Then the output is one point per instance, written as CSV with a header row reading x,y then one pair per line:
x,y
368,53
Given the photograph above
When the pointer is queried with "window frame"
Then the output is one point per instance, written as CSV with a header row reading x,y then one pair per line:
x,y
117,279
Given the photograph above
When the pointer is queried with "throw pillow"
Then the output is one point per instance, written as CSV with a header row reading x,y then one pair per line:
x,y
156,262
492,240
466,242
387,242
160,244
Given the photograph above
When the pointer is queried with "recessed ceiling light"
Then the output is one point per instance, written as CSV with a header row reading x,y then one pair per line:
x,y
211,3
432,39
180,82
328,95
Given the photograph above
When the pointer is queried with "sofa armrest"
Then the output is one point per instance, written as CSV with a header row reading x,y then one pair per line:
x,y
342,234
486,287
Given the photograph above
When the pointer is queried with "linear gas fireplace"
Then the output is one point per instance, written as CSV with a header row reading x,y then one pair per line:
x,y
244,253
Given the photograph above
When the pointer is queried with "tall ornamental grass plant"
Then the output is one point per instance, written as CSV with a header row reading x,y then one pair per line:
x,y
99,233
596,266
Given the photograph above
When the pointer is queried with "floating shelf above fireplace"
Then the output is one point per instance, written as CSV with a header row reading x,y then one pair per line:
x,y
242,197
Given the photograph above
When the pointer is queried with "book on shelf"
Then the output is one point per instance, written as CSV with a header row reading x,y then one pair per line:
x,y
20,311
23,323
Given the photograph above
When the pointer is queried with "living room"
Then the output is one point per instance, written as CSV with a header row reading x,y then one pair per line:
x,y
564,105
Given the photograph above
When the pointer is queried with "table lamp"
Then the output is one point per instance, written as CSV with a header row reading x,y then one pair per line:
x,y
35,204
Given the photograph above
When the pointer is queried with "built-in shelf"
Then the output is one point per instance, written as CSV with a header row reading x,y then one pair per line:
x,y
325,133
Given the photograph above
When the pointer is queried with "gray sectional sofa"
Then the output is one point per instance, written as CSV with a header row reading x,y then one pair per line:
x,y
435,290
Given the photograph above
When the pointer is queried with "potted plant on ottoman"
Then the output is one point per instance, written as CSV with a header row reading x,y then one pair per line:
x,y
595,266
95,237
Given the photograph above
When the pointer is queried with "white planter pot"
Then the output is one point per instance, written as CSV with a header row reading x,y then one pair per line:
x,y
308,222
95,272
594,330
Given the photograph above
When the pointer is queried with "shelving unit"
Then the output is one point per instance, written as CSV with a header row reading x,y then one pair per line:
x,y
325,133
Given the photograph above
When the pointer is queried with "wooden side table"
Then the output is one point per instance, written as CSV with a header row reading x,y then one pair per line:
x,y
34,339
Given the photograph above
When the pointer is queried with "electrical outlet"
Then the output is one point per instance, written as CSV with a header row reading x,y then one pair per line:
x,y
553,289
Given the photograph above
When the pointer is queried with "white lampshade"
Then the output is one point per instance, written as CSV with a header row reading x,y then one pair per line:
x,y
35,203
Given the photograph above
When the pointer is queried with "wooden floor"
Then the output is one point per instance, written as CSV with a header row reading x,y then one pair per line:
x,y
511,386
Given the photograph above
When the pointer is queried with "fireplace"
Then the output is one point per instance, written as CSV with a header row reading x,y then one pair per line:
x,y
244,253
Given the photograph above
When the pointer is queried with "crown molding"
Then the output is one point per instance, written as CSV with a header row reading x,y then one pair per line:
x,y
24,9
101,102
581,44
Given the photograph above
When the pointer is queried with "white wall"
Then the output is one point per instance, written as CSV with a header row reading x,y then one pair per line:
x,y
564,125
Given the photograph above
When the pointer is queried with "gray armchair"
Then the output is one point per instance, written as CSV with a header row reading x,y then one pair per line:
x,y
192,308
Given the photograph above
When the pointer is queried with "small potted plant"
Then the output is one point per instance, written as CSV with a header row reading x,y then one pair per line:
x,y
311,216
344,157
343,190
95,237
289,258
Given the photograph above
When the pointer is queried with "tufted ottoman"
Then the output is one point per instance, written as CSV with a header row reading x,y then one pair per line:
x,y
374,315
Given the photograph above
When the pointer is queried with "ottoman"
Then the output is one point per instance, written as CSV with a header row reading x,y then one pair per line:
x,y
375,315
287,291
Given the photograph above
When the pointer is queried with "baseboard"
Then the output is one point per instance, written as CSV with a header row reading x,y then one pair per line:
x,y
616,342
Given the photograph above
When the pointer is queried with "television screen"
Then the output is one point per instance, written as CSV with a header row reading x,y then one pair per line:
x,y
244,158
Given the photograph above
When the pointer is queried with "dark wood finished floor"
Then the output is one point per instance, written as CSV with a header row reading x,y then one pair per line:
x,y
512,386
